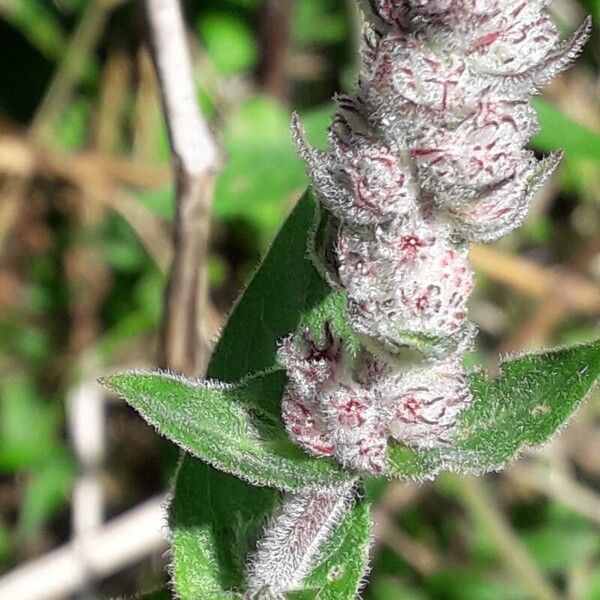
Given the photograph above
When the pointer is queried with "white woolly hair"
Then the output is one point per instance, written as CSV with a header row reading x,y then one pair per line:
x,y
293,540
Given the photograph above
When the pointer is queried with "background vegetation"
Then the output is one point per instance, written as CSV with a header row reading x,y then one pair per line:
x,y
85,206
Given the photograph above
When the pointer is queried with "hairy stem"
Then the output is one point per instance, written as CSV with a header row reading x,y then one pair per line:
x,y
294,540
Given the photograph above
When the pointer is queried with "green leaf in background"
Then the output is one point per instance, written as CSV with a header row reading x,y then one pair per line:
x,y
282,293
471,585
236,428
593,591
147,297
6,547
37,23
534,396
72,129
561,132
593,6
28,426
30,439
263,175
333,26
228,41
159,201
581,146
577,538
387,588
46,493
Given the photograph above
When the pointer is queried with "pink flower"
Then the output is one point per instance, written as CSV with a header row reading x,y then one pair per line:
x,y
424,404
304,425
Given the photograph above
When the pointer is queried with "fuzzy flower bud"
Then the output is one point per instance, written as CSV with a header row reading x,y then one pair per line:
x,y
428,155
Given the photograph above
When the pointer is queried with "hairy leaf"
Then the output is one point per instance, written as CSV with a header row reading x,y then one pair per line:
x,y
303,595
235,428
215,520
533,397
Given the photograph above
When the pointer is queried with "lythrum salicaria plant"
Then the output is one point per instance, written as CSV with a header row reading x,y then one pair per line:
x,y
344,357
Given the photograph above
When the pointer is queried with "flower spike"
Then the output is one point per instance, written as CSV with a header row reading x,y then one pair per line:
x,y
428,155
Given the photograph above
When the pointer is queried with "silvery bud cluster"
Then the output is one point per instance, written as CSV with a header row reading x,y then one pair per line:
x,y
428,155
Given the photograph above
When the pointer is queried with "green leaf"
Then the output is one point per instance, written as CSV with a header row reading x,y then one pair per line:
x,y
229,42
593,591
47,492
263,172
73,127
387,588
6,541
534,396
344,559
215,520
319,22
28,426
561,132
303,595
579,544
471,585
37,23
236,428
281,296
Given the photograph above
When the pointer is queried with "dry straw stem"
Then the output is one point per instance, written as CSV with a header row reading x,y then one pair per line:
x,y
398,496
196,165
64,81
275,27
87,432
23,157
101,179
421,557
558,485
529,279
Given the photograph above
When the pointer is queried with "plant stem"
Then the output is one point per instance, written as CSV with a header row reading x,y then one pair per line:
x,y
293,541
196,164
